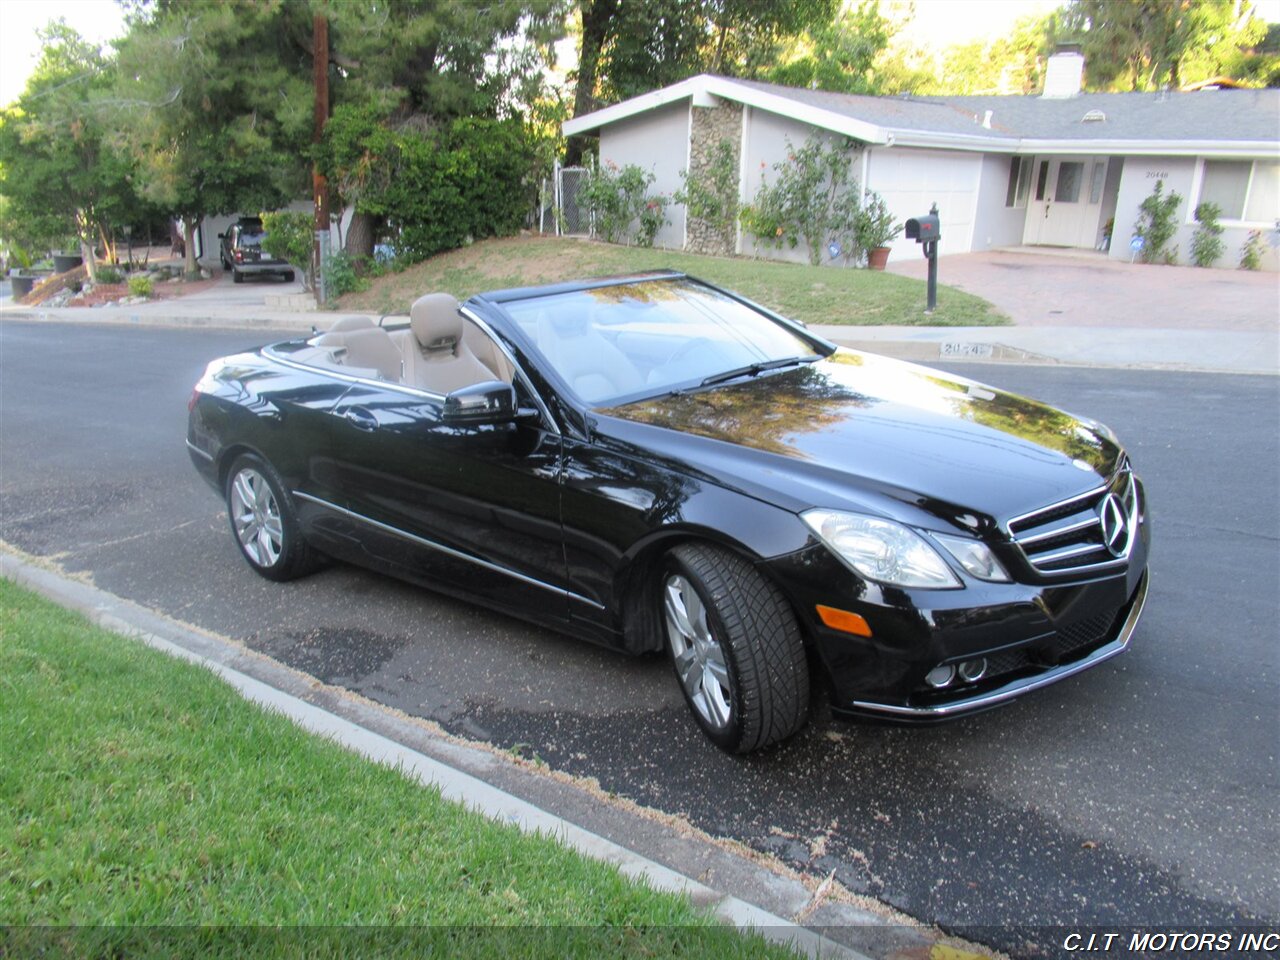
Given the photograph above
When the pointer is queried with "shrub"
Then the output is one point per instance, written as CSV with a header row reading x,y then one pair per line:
x,y
813,199
289,237
653,217
1207,245
341,276
140,286
618,197
1252,250
435,184
874,224
1157,223
107,274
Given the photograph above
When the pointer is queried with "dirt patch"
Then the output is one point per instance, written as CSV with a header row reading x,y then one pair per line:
x,y
165,290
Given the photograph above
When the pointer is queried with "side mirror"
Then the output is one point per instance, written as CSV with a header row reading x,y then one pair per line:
x,y
489,402
222,236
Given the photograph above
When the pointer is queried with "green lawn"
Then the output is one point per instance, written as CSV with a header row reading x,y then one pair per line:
x,y
816,295
139,792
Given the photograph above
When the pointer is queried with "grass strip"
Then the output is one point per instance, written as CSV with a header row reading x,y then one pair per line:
x,y
147,810
815,295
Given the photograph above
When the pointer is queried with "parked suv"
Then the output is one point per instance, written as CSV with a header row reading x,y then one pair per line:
x,y
241,251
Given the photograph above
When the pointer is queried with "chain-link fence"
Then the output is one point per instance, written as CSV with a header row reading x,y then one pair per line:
x,y
558,209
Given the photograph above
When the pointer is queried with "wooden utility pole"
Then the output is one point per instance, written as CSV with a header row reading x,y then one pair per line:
x,y
319,186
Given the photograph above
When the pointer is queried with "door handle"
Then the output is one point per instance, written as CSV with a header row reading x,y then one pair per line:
x,y
361,419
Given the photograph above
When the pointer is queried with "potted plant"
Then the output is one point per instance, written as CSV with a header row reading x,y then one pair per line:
x,y
875,229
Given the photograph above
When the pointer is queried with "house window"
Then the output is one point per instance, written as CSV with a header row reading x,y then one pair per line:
x,y
1042,179
1243,190
1019,182
1099,178
1069,176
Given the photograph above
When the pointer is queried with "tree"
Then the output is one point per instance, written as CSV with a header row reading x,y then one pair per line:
x,y
627,47
1011,64
215,102
1147,44
419,65
59,171
839,55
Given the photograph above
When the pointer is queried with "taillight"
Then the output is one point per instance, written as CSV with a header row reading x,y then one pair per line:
x,y
239,255
195,396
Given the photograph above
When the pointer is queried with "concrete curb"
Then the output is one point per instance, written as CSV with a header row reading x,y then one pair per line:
x,y
1192,351
124,617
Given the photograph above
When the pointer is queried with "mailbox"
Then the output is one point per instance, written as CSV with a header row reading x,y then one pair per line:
x,y
924,228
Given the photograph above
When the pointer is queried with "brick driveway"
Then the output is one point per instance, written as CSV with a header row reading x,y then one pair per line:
x,y
1083,290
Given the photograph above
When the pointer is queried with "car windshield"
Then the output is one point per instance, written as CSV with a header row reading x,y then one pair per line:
x,y
614,344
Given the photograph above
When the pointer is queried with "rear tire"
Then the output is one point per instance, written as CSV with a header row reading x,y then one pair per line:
x,y
264,522
288,276
236,276
736,648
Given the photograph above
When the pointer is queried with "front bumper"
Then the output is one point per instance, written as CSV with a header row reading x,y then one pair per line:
x,y
255,267
1025,635
1016,688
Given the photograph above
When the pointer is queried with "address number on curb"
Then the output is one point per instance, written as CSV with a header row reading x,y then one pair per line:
x,y
966,350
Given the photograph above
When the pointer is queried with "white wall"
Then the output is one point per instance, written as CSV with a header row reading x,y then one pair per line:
x,y
912,180
1138,179
994,224
656,141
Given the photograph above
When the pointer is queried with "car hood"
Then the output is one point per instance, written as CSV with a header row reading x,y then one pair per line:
x,y
858,431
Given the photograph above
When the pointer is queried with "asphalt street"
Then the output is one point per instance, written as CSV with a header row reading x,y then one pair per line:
x,y
1142,792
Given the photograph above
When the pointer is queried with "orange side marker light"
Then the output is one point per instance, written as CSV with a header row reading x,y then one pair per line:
x,y
844,621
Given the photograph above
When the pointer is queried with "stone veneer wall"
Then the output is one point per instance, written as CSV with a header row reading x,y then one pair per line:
x,y
710,126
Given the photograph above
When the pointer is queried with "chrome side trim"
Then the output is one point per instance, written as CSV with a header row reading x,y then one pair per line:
x,y
194,449
450,551
1027,684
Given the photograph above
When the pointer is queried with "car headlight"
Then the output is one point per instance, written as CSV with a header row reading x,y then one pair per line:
x,y
882,550
975,556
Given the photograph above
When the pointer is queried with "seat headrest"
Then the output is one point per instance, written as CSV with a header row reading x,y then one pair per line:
x,y
436,322
350,323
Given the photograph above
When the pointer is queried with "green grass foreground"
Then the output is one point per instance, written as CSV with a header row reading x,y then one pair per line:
x,y
815,295
147,810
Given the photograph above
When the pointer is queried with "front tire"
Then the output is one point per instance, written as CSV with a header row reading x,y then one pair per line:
x,y
736,649
264,523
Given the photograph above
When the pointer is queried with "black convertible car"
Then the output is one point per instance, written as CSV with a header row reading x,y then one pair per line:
x,y
650,462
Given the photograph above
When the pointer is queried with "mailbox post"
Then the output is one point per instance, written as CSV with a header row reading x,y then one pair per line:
x,y
926,232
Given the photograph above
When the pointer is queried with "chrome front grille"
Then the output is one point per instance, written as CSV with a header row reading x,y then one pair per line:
x,y
1093,531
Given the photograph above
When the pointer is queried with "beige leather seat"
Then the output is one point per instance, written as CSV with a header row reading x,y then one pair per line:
x,y
438,359
362,350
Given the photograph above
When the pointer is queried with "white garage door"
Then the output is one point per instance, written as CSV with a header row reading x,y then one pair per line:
x,y
912,180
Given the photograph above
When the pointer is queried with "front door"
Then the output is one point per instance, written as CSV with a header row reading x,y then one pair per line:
x,y
469,509
1066,202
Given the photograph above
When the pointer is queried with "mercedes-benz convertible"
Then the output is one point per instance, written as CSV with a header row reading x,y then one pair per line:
x,y
652,463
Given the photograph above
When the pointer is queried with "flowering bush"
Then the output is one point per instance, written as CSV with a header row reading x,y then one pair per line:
x,y
617,198
813,199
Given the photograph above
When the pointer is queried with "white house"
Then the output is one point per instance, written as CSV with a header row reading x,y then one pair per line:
x,y
1050,170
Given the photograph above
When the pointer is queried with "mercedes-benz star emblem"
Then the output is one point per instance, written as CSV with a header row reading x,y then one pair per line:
x,y
1115,525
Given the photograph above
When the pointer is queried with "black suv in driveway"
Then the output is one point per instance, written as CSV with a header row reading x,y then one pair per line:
x,y
241,251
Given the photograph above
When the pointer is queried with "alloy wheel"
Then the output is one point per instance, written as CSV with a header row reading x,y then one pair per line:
x,y
699,658
256,517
